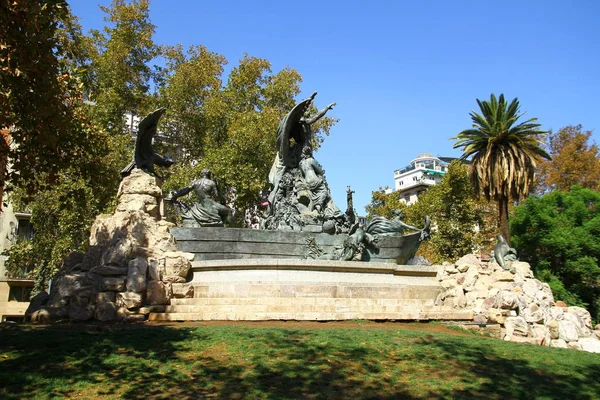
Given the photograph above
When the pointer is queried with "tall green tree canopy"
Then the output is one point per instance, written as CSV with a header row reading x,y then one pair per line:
x,y
37,91
559,235
575,161
120,70
455,214
504,153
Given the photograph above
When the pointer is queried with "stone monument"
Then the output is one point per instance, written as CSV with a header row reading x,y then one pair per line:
x,y
132,266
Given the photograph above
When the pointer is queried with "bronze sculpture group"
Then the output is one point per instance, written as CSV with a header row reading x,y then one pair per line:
x,y
299,198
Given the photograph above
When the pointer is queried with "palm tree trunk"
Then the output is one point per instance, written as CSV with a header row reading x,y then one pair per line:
x,y
503,218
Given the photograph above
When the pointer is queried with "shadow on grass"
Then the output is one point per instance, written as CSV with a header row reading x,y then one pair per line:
x,y
519,371
224,362
60,361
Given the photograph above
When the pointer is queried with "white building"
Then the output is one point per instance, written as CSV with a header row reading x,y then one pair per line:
x,y
424,171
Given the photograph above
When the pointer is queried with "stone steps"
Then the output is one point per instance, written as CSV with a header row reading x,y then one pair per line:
x,y
250,297
294,290
433,313
288,301
305,309
319,308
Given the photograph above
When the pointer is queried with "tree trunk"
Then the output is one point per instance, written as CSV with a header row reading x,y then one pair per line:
x,y
503,218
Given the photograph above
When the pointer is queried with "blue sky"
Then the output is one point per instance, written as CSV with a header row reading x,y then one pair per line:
x,y
404,74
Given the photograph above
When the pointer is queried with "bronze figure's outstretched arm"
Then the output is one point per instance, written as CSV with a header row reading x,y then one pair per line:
x,y
320,114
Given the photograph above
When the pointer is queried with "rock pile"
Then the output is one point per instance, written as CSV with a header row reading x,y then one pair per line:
x,y
131,268
522,306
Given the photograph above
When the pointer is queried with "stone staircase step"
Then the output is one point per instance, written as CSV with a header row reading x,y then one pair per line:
x,y
439,313
288,301
283,290
299,308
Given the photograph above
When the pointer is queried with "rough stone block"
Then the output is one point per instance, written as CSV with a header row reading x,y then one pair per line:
x,y
139,182
516,326
471,278
448,283
152,309
591,345
582,330
137,317
106,311
156,269
469,259
173,279
118,253
504,276
450,269
104,297
495,315
112,284
583,314
108,270
36,303
480,319
65,286
74,259
562,305
533,314
157,293
490,302
182,290
136,275
178,263
508,300
129,300
567,331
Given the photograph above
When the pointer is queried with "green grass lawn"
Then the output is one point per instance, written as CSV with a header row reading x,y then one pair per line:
x,y
131,362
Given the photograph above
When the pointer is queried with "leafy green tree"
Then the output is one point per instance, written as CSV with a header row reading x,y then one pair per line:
x,y
575,161
36,89
120,74
504,153
559,235
456,216
383,204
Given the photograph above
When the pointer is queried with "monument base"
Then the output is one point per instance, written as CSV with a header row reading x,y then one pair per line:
x,y
315,290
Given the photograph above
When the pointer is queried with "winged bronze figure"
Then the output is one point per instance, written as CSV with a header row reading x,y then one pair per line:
x,y
144,156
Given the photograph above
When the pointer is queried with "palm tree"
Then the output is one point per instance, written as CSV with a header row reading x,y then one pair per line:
x,y
504,153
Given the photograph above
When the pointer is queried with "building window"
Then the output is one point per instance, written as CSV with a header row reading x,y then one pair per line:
x,y
25,229
19,293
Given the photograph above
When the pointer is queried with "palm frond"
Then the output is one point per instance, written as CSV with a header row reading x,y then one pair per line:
x,y
504,151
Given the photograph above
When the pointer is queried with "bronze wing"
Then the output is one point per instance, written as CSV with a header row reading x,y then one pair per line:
x,y
290,128
144,152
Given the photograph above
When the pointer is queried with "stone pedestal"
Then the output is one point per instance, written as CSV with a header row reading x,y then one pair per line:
x,y
130,252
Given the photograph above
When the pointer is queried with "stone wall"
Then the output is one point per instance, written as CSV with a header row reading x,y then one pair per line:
x,y
132,266
513,300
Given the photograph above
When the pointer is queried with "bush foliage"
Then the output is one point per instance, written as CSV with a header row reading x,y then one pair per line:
x,y
559,235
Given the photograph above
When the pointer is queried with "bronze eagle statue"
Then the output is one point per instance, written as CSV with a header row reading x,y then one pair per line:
x,y
144,156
